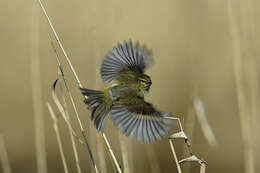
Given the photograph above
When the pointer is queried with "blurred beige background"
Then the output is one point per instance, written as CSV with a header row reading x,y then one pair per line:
x,y
196,46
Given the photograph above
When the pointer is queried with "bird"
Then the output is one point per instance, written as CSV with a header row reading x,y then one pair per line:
x,y
123,100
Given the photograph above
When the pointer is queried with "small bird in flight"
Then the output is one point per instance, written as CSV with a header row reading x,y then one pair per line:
x,y
123,70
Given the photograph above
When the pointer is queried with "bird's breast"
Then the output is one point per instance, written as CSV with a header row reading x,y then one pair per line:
x,y
114,93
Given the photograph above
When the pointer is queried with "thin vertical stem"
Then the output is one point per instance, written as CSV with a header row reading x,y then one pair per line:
x,y
76,111
61,109
253,77
79,84
204,124
240,89
112,154
75,151
125,150
4,157
56,129
154,164
36,92
59,42
189,128
181,135
175,156
96,50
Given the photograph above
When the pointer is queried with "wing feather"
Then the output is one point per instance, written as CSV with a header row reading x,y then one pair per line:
x,y
151,131
142,121
125,57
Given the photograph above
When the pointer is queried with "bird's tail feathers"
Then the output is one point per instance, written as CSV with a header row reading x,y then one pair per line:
x,y
98,106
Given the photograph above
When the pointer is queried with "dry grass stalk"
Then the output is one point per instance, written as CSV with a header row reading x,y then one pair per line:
x,y
101,155
56,129
191,158
62,111
4,157
79,84
66,116
125,150
36,92
198,109
254,96
251,65
203,120
154,164
173,149
175,156
244,114
75,151
96,48
112,154
61,75
93,134
189,125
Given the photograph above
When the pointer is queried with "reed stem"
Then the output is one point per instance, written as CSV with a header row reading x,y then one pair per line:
x,y
56,129
79,84
4,157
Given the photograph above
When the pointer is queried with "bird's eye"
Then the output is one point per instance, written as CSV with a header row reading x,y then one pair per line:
x,y
142,81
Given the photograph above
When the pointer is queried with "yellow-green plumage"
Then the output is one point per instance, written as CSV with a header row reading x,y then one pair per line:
x,y
123,70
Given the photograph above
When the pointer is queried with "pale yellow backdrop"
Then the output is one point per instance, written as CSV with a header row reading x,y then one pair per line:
x,y
195,45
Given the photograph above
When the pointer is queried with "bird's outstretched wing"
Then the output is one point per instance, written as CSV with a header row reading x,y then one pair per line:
x,y
125,57
141,120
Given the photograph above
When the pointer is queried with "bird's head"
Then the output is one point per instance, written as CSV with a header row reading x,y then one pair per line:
x,y
145,82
